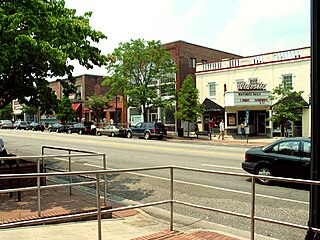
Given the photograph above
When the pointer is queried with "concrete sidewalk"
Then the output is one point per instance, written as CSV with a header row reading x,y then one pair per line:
x,y
128,224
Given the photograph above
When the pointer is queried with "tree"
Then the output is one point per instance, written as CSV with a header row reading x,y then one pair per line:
x,y
65,112
143,71
189,108
288,107
97,104
6,112
37,41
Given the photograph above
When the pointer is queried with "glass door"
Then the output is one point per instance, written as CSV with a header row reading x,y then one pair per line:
x,y
261,124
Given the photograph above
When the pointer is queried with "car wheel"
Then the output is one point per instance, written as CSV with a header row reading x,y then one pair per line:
x,y
80,132
147,135
99,133
264,171
112,134
69,131
33,129
129,134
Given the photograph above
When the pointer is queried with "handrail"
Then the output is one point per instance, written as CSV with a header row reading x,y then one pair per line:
x,y
171,201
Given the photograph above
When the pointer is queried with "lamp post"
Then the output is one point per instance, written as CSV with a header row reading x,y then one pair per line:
x,y
314,215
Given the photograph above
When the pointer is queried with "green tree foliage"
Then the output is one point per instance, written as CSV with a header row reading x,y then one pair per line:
x,y
189,108
143,71
6,112
288,107
97,104
38,39
29,109
65,112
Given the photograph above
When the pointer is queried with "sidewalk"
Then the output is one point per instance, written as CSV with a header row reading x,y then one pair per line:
x,y
124,225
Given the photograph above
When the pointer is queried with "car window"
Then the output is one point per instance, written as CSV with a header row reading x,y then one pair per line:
x,y
290,148
306,149
144,125
139,125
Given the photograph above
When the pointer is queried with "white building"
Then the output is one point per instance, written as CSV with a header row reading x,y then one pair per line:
x,y
241,87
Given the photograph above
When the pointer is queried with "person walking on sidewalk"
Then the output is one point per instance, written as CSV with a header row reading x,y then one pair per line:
x,y
221,125
211,126
242,130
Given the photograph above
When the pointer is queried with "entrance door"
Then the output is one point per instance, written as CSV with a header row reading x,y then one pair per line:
x,y
261,124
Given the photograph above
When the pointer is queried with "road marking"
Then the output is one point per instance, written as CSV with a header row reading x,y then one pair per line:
x,y
219,166
203,185
126,145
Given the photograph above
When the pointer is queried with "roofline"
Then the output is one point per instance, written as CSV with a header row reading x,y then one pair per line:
x,y
182,41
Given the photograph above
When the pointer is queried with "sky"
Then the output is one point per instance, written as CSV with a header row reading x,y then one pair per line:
x,y
243,27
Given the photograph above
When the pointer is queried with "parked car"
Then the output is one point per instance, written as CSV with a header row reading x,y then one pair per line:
x,y
82,128
112,130
148,130
6,124
287,157
58,127
36,127
20,124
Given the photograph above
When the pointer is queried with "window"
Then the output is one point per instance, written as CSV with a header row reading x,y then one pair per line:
x,y
287,80
212,89
306,151
253,81
193,62
289,148
78,92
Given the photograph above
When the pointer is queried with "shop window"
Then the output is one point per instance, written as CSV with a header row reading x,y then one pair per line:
x,y
212,89
253,81
78,92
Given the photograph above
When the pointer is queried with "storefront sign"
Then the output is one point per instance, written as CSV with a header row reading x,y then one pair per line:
x,y
242,86
247,98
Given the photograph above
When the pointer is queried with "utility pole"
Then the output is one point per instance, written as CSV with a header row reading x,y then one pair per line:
x,y
314,214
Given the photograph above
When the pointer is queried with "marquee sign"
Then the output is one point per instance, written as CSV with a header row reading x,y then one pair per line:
x,y
242,86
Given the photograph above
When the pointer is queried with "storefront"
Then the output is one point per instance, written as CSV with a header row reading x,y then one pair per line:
x,y
212,111
249,105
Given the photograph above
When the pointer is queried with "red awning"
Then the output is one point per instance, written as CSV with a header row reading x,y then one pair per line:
x,y
75,106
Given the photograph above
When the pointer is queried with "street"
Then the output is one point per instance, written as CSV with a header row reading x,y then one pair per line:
x,y
279,201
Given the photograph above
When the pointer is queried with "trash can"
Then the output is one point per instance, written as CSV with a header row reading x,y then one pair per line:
x,y
180,132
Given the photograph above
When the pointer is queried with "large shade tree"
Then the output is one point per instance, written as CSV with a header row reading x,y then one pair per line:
x,y
64,111
143,71
97,104
38,40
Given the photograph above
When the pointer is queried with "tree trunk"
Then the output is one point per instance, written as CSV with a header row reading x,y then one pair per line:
x,y
188,129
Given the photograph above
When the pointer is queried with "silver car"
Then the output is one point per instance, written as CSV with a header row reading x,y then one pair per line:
x,y
112,131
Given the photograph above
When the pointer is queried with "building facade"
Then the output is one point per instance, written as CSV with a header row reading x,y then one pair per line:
x,y
90,85
240,90
185,55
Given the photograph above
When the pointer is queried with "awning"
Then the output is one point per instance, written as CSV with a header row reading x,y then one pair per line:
x,y
211,106
75,106
292,99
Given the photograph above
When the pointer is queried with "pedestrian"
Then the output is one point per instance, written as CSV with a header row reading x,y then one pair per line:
x,y
196,128
93,129
211,126
242,130
221,134
111,121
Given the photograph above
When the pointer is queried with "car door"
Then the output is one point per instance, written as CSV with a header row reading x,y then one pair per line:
x,y
136,130
286,158
306,160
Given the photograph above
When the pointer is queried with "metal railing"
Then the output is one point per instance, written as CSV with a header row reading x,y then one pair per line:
x,y
252,217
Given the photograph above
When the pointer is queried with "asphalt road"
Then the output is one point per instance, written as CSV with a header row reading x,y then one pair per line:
x,y
282,202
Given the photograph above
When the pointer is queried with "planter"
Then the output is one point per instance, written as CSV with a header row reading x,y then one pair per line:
x,y
19,166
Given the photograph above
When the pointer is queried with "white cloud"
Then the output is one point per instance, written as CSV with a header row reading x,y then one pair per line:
x,y
240,34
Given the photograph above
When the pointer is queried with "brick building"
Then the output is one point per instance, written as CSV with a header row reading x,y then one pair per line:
x,y
90,85
186,56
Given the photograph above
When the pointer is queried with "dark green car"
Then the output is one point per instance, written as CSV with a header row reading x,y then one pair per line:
x,y
287,157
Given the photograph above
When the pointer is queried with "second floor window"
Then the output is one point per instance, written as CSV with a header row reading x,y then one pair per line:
x,y
193,62
212,89
78,92
287,80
